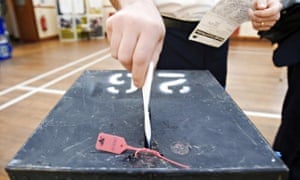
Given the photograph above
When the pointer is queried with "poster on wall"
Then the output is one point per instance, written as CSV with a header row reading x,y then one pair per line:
x,y
46,3
64,7
66,28
80,19
78,7
71,7
96,26
94,6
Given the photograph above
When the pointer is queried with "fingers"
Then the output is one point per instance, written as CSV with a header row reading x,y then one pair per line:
x,y
260,4
140,70
263,25
144,53
264,18
134,33
135,48
114,37
122,40
127,47
272,10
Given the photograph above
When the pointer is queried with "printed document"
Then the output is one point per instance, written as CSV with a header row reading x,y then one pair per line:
x,y
220,22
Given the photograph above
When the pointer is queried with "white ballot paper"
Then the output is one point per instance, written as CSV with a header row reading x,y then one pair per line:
x,y
220,22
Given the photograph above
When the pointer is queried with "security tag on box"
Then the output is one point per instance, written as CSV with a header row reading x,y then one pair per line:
x,y
117,145
111,143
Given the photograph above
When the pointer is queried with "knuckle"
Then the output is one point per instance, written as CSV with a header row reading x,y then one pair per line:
x,y
278,17
124,59
140,57
155,29
137,82
114,55
108,22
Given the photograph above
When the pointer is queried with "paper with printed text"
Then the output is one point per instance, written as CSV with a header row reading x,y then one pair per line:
x,y
220,22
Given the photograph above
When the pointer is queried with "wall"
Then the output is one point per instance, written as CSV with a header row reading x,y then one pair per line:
x,y
46,9
80,19
11,21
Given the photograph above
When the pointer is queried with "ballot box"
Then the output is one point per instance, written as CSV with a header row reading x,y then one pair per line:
x,y
194,122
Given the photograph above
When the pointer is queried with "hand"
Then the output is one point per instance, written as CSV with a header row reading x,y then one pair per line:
x,y
136,33
265,14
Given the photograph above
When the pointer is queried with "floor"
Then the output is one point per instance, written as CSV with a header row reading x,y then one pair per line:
x,y
37,76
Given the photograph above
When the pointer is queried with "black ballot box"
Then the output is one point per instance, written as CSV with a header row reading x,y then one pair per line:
x,y
194,122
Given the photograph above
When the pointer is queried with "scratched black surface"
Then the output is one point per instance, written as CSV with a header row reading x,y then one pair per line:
x,y
221,142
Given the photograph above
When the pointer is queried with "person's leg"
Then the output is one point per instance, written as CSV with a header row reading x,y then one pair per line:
x,y
216,62
295,169
287,140
180,53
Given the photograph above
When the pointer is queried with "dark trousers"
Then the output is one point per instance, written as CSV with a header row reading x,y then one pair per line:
x,y
287,140
180,53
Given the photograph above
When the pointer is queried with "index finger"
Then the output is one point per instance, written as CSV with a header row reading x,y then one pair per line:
x,y
272,11
141,58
